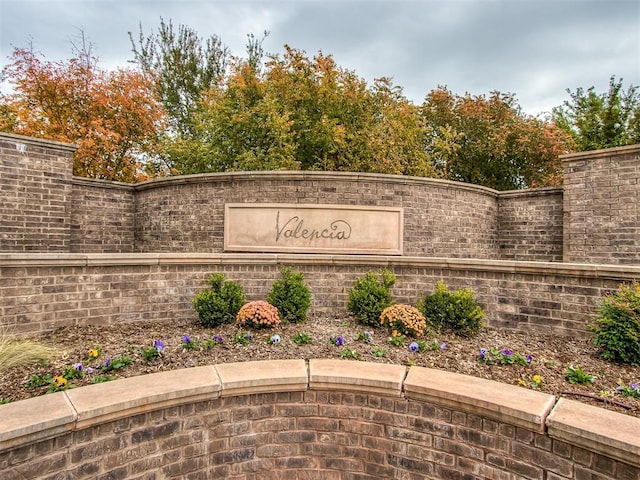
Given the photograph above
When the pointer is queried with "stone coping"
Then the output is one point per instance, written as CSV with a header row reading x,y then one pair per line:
x,y
597,430
108,401
267,376
310,175
604,152
334,374
38,142
515,405
585,425
17,260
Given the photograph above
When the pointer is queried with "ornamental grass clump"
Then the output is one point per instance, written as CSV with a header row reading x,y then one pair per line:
x,y
258,314
291,296
404,319
16,352
457,311
220,303
617,329
369,296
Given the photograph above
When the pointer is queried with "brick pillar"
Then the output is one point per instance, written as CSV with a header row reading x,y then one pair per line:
x,y
35,194
601,205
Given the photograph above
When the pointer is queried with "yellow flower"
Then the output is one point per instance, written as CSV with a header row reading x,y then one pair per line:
x,y
93,353
60,382
522,382
537,379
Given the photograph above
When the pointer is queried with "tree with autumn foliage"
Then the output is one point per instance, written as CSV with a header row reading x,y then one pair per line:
x,y
489,141
306,113
112,116
187,70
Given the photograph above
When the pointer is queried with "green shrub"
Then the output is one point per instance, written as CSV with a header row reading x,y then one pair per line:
x,y
617,328
291,296
404,319
220,303
258,314
369,296
457,312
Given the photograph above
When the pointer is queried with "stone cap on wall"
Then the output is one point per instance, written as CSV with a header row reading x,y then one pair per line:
x,y
608,433
617,272
39,142
585,425
604,152
298,175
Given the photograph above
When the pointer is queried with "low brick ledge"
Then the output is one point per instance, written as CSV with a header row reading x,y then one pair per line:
x,y
18,260
597,430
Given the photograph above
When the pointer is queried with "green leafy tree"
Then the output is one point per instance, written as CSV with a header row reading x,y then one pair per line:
x,y
242,126
490,141
306,113
595,121
183,66
186,68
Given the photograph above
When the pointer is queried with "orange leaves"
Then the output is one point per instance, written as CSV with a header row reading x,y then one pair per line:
x,y
113,117
489,141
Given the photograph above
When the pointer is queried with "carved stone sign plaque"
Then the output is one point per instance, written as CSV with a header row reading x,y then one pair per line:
x,y
300,228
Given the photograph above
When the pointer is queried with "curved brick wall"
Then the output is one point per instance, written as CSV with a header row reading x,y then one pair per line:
x,y
323,419
40,292
591,219
441,218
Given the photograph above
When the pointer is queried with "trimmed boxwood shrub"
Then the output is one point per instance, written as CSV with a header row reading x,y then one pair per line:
x,y
457,311
220,303
291,296
369,296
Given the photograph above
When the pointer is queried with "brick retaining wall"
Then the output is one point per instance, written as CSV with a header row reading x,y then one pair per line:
x,y
321,419
45,291
45,209
592,219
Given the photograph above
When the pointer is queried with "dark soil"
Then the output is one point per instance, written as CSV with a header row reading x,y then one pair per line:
x,y
551,355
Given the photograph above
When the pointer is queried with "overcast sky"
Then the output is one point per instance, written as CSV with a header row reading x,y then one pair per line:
x,y
533,48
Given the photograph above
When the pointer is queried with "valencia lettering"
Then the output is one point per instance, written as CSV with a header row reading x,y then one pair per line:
x,y
294,228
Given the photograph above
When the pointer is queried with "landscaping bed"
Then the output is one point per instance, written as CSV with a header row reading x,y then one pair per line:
x,y
530,361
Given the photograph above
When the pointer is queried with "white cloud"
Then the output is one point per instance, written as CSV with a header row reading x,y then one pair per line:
x,y
533,48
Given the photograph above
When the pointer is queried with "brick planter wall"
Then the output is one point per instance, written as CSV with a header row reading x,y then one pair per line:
x,y
42,292
325,420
